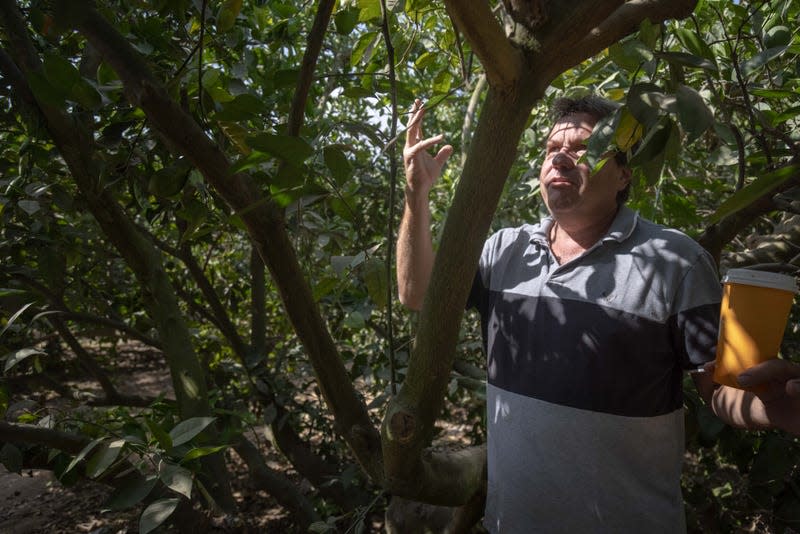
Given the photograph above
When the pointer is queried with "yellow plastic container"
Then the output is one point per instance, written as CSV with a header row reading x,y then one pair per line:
x,y
755,308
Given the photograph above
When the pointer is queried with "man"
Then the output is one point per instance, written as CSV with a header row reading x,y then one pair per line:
x,y
589,320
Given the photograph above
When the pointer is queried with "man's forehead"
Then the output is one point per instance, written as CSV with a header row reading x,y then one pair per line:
x,y
578,123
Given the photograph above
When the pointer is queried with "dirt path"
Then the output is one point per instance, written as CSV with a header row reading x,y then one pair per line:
x,y
36,502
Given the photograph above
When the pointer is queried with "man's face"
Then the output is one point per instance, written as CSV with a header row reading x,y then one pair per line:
x,y
568,188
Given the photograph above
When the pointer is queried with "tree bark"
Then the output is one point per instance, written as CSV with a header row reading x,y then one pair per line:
x,y
409,420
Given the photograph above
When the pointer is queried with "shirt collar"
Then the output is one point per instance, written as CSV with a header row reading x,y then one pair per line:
x,y
621,228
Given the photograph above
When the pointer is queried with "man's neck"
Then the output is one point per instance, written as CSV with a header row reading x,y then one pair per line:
x,y
570,238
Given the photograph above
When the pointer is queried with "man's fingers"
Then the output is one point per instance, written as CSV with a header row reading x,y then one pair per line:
x,y
414,126
444,153
775,370
424,144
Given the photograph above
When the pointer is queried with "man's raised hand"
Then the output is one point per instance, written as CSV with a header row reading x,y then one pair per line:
x,y
422,169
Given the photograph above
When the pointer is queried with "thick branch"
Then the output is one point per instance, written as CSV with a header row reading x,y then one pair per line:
x,y
780,247
219,315
501,61
718,235
56,439
263,219
409,420
258,303
306,76
601,28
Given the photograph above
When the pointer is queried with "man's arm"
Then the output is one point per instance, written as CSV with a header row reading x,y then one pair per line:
x,y
414,243
774,403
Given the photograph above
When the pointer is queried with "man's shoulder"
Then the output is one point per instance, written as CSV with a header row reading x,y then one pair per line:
x,y
509,242
524,232
669,238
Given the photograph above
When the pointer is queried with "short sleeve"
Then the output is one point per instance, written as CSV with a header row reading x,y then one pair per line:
x,y
480,285
695,313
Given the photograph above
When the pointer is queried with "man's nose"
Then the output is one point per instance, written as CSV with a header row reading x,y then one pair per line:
x,y
562,160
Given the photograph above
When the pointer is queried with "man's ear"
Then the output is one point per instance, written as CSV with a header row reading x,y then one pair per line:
x,y
625,176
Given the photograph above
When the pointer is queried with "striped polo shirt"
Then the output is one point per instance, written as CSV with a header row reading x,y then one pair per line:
x,y
585,364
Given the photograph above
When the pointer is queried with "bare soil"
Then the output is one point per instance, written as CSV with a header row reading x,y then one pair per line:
x,y
34,501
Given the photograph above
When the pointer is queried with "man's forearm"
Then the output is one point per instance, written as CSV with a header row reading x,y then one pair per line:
x,y
414,251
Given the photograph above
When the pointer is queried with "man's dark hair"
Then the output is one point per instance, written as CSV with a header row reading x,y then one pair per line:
x,y
598,108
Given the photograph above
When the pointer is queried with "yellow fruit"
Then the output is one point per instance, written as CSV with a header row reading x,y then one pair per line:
x,y
628,132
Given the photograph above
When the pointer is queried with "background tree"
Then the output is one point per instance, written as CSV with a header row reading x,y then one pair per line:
x,y
157,154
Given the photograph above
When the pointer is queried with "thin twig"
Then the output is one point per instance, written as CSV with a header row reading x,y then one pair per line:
x,y
392,192
200,62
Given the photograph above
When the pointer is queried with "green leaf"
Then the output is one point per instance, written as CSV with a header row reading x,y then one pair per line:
x,y
324,287
104,457
710,425
364,48
162,437
60,73
15,317
649,33
243,107
81,455
376,281
29,206
292,149
13,358
343,264
43,90
694,115
369,10
774,461
639,103
775,93
357,92
443,82
85,94
336,161
345,20
755,190
131,494
426,59
761,59
199,452
157,513
630,54
188,429
600,141
355,320
692,42
168,182
687,60
654,142
176,478
228,12
11,458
